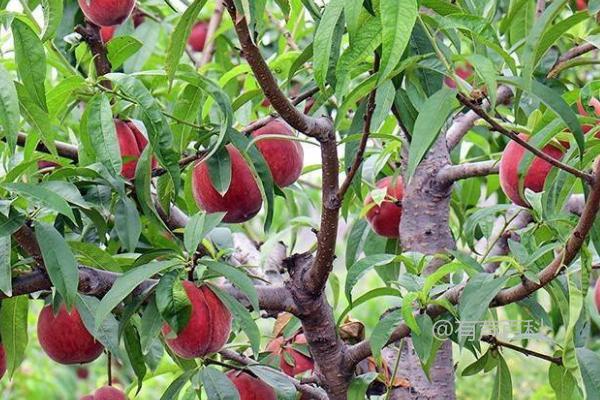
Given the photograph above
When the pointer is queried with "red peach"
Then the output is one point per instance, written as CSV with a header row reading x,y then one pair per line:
x,y
107,32
106,12
385,218
536,175
197,38
242,200
581,5
132,143
301,363
2,361
208,328
284,157
251,388
65,338
109,393
463,73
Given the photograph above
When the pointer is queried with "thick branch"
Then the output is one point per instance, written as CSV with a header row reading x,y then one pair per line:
x,y
319,128
365,136
313,392
573,53
515,136
453,173
65,150
213,25
511,295
463,123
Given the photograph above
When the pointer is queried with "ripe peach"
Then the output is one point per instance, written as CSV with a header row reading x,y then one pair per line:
x,y
385,218
106,12
2,361
109,393
197,38
65,338
251,388
107,32
536,175
463,72
208,328
82,373
284,157
242,200
132,143
581,5
301,363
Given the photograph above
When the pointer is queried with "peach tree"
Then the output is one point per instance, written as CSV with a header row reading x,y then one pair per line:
x,y
225,185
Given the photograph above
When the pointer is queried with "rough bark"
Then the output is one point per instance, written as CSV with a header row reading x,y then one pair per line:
x,y
425,228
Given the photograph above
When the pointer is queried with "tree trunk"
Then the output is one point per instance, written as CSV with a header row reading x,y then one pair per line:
x,y
425,229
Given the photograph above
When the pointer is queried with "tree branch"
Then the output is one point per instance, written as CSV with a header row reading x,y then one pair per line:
x,y
463,123
320,128
91,35
573,53
497,343
213,26
313,392
453,173
540,7
365,136
574,243
515,136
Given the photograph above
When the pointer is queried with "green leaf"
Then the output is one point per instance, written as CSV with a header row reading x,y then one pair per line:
x,y
219,169
432,116
477,366
37,118
397,19
198,227
125,284
42,196
13,329
5,266
9,108
121,48
107,332
172,301
241,317
175,387
502,389
383,330
237,277
423,342
408,312
128,223
276,379
102,133
360,267
12,223
31,61
359,385
322,44
217,385
553,101
53,13
59,261
135,355
370,295
352,9
486,70
159,132
589,363
562,382
179,37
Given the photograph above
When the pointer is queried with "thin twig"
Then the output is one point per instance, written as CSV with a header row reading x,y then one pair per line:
x,y
453,173
492,340
91,35
365,136
213,26
515,136
573,53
